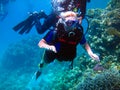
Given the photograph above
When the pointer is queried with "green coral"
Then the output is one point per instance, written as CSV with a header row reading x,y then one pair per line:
x,y
108,80
67,79
101,37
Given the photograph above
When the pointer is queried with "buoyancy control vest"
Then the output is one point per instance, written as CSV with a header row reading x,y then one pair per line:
x,y
68,41
72,37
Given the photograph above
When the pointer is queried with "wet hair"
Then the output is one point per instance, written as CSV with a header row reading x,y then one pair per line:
x,y
68,14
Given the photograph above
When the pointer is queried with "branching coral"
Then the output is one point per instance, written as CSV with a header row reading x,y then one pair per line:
x,y
108,80
113,31
105,26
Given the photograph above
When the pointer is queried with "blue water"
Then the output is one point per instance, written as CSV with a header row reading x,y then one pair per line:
x,y
17,11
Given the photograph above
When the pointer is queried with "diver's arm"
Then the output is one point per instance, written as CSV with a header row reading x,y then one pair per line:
x,y
43,44
89,51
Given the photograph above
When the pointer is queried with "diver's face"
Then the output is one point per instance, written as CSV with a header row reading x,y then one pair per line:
x,y
70,23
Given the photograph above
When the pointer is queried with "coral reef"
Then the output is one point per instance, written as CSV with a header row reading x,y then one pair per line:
x,y
104,33
107,80
104,30
113,31
22,57
22,53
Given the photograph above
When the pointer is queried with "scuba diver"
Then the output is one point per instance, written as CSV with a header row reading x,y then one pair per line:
x,y
58,6
61,43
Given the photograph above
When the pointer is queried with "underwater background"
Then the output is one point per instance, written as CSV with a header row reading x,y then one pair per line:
x,y
20,55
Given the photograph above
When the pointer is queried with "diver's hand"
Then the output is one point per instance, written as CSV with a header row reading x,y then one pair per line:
x,y
43,44
51,47
95,57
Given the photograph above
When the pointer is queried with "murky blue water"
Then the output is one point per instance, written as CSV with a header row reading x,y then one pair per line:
x,y
18,11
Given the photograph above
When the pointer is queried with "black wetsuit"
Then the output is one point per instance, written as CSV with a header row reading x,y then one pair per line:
x,y
64,44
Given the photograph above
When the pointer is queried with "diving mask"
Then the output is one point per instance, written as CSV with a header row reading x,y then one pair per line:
x,y
71,23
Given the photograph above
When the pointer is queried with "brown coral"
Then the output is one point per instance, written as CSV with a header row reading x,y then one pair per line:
x,y
113,31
